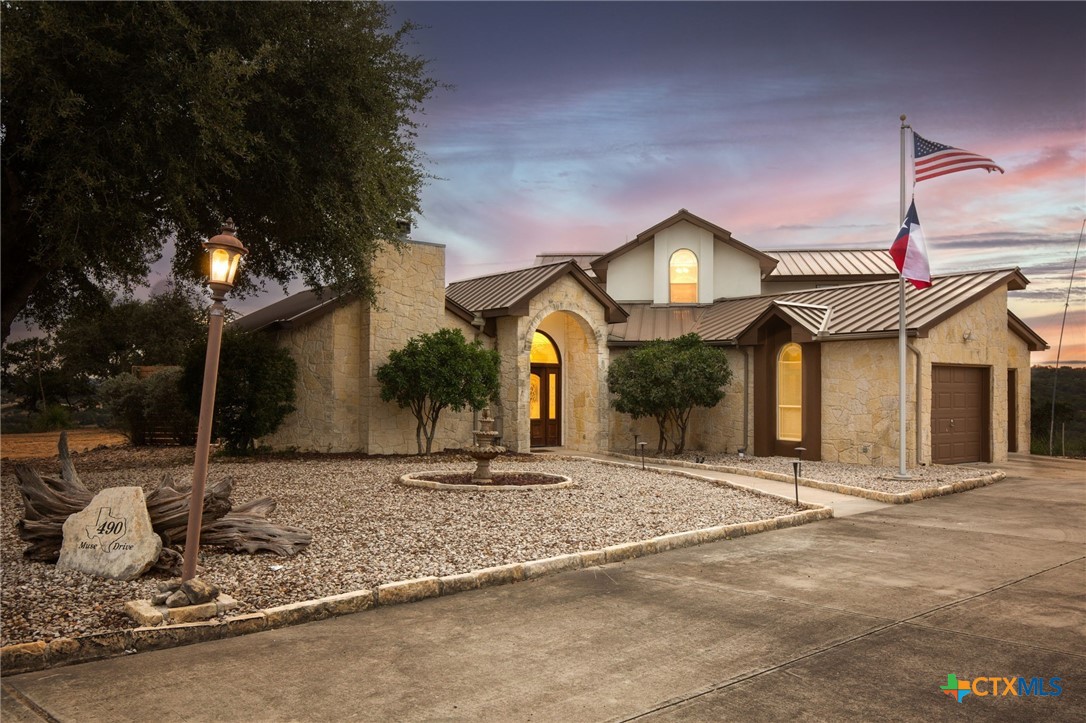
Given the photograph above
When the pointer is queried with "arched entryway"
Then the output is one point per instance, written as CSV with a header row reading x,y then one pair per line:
x,y
545,392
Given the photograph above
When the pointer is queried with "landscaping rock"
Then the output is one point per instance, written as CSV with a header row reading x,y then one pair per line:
x,y
112,538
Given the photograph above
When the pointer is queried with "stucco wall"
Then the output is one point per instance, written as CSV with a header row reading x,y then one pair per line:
x,y
629,276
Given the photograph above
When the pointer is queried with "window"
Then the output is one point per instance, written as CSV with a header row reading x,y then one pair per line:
x,y
543,351
683,277
790,393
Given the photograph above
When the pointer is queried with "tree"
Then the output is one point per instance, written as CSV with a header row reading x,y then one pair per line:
x,y
435,371
255,390
144,409
125,125
34,373
665,380
112,338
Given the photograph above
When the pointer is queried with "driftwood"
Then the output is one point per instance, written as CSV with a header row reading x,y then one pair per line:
x,y
48,501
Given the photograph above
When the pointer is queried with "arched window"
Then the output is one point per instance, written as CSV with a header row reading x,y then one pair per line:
x,y
683,277
790,393
543,351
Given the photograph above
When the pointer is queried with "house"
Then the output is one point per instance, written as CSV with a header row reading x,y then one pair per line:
x,y
811,337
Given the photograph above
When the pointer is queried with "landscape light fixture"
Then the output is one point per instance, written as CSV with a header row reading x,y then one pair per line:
x,y
224,254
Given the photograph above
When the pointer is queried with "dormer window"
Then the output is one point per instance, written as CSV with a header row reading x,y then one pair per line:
x,y
683,277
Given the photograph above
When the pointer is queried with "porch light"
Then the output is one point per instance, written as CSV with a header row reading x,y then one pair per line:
x,y
225,252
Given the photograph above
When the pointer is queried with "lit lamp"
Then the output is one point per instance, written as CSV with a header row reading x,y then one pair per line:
x,y
225,252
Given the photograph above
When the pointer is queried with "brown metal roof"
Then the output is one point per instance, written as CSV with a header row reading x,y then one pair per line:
x,y
509,293
832,264
869,309
297,308
1032,338
654,322
583,259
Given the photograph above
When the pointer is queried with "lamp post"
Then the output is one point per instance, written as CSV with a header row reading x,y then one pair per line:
x,y
225,252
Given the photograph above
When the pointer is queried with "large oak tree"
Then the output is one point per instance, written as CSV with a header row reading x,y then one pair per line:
x,y
127,124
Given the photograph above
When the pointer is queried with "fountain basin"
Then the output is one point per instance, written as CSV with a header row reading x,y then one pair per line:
x,y
463,481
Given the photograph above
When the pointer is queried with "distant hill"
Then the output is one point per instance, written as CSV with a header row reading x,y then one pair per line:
x,y
1070,428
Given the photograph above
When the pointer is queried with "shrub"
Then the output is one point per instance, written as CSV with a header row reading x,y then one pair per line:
x,y
54,416
255,389
435,371
146,409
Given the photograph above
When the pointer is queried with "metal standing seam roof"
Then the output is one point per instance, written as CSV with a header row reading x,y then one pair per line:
x,y
510,292
840,311
832,263
583,259
295,309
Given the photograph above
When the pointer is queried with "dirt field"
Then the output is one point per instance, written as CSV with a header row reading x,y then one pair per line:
x,y
44,444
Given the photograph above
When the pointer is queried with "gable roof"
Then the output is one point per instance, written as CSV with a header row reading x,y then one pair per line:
x,y
868,310
509,293
832,264
765,262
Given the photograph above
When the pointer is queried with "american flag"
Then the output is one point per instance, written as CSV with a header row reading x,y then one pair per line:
x,y
931,159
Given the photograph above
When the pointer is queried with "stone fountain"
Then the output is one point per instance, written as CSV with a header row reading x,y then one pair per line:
x,y
484,449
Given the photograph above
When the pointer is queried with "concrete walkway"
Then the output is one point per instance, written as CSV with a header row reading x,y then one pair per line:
x,y
842,505
861,618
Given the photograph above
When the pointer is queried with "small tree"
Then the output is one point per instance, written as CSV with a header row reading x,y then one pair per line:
x,y
665,380
255,390
435,371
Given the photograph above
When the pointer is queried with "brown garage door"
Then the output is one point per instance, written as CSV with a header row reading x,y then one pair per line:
x,y
959,414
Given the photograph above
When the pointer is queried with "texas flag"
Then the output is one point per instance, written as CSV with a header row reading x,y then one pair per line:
x,y
909,252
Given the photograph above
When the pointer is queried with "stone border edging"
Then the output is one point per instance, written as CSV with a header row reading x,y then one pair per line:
x,y
39,655
410,480
894,498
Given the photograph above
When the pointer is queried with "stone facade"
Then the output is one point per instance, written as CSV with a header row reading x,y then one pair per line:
x,y
339,407
724,428
578,325
860,386
338,402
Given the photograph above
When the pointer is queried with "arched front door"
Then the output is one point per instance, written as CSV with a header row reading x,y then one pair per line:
x,y
545,399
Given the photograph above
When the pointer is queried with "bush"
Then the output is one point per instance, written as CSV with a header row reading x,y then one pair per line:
x,y
123,396
255,390
146,410
435,371
54,416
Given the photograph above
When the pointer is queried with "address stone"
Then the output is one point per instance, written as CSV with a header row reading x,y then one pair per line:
x,y
111,537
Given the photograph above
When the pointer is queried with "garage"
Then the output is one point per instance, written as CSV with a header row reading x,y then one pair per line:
x,y
959,414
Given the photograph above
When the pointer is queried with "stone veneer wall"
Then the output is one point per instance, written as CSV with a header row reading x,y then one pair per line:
x,y
327,352
716,430
338,406
860,402
564,305
860,386
992,345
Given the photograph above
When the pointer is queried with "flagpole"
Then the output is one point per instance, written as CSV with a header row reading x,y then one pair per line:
x,y
902,473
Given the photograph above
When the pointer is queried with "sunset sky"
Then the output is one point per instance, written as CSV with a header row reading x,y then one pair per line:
x,y
574,126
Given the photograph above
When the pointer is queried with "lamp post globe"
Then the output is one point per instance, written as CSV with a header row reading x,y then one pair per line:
x,y
224,252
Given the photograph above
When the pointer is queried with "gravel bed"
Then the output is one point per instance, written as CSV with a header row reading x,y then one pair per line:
x,y
367,528
881,479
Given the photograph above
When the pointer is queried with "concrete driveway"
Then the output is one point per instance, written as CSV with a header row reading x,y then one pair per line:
x,y
861,618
